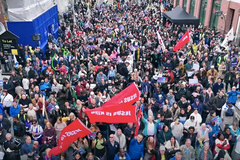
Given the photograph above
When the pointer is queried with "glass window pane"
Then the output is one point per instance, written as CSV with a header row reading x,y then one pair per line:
x,y
192,7
185,5
214,18
203,11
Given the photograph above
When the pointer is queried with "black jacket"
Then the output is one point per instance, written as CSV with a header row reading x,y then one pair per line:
x,y
19,129
9,86
5,123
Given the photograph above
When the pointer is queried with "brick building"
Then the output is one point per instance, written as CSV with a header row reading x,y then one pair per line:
x,y
205,10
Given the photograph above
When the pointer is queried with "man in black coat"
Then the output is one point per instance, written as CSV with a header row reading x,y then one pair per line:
x,y
5,123
9,86
3,133
11,147
19,128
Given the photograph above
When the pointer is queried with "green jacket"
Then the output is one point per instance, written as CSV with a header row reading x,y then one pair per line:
x,y
145,121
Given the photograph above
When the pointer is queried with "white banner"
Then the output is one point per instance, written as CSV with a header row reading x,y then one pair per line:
x,y
229,37
161,41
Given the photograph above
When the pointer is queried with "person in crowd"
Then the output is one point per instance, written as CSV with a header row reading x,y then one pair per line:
x,y
187,150
80,143
109,48
18,128
150,126
203,131
149,147
120,138
164,135
59,125
5,123
99,149
15,109
177,129
6,101
232,95
172,146
136,148
112,147
11,147
129,133
228,113
204,153
221,143
189,134
235,152
222,155
29,148
178,156
36,131
3,133
49,135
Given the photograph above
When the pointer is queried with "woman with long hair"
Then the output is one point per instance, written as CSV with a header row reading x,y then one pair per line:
x,y
172,146
99,149
149,148
49,135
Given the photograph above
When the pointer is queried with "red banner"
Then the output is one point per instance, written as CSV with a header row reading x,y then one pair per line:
x,y
113,114
138,121
129,95
185,39
68,135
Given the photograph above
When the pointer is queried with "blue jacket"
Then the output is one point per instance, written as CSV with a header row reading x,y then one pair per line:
x,y
146,87
199,107
98,78
126,154
15,111
1,109
174,158
215,130
136,150
232,96
217,87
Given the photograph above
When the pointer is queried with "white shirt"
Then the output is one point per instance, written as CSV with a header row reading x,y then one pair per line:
x,y
150,129
25,83
7,100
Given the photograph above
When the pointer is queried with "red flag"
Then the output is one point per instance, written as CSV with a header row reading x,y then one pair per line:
x,y
68,135
113,114
138,121
185,39
127,96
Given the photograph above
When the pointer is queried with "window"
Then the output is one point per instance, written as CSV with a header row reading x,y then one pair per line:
x,y
178,2
214,17
185,5
192,7
203,11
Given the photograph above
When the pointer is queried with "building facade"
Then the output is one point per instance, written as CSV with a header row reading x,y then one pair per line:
x,y
205,10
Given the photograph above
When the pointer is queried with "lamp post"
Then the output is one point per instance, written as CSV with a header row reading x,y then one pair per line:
x,y
223,16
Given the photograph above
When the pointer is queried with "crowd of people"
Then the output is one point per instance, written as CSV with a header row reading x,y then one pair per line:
x,y
100,50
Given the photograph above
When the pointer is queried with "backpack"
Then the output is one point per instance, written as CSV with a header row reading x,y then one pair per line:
x,y
229,112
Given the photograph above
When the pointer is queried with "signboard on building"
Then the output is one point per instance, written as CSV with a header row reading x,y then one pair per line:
x,y
9,43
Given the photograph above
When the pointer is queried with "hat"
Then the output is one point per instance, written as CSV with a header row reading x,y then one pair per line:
x,y
5,78
183,96
228,102
53,92
212,67
57,107
162,148
197,99
92,93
